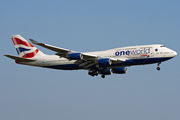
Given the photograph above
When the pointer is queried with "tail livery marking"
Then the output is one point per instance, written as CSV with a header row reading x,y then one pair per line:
x,y
17,41
23,47
30,55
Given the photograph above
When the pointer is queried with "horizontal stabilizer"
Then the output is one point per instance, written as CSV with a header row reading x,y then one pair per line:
x,y
20,58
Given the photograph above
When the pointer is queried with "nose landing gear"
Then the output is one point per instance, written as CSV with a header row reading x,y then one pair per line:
x,y
158,68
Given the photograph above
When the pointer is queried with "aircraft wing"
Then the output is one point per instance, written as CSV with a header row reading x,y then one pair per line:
x,y
20,58
63,52
56,49
87,61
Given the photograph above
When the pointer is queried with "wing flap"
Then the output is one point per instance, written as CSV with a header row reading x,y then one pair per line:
x,y
89,65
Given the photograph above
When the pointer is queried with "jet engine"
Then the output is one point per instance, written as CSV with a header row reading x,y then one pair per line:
x,y
120,70
105,61
105,72
75,56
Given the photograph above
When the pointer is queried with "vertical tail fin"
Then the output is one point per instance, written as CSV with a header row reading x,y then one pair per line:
x,y
24,48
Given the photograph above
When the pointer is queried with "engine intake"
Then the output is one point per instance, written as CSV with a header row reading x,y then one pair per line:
x,y
120,70
75,56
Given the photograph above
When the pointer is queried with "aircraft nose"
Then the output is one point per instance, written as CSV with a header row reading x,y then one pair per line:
x,y
174,53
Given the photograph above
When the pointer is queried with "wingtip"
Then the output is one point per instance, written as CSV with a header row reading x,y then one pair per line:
x,y
33,41
6,55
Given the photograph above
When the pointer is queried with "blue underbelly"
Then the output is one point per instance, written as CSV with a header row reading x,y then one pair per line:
x,y
127,63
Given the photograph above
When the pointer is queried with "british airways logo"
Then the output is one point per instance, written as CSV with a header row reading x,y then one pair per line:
x,y
26,49
133,52
21,49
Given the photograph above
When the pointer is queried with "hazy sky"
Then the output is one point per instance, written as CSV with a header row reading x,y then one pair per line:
x,y
31,93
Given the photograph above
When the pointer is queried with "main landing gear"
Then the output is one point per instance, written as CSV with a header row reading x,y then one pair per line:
x,y
93,73
158,68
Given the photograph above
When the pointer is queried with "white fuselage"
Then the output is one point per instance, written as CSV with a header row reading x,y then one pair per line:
x,y
134,55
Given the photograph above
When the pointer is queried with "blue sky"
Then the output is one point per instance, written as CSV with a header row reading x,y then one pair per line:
x,y
38,93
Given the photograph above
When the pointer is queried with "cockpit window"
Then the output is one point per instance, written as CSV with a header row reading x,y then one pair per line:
x,y
162,46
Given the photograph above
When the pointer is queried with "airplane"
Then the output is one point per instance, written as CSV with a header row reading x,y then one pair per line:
x,y
101,62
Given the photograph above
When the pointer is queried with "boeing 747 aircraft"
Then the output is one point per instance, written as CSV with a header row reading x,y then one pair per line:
x,y
100,62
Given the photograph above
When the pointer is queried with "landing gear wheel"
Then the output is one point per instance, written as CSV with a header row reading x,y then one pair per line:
x,y
95,73
103,76
92,73
89,73
158,68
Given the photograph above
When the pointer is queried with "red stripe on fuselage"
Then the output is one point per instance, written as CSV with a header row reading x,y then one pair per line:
x,y
20,42
144,55
30,55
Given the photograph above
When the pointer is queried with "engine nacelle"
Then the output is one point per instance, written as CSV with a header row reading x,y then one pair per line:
x,y
105,72
120,70
105,61
75,56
